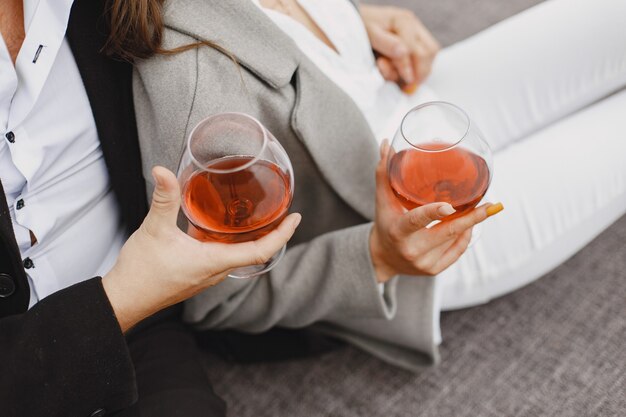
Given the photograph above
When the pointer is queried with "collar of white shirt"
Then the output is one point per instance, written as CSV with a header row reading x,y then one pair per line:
x,y
45,22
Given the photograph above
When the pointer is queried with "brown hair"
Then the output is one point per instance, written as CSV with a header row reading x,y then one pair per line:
x,y
136,31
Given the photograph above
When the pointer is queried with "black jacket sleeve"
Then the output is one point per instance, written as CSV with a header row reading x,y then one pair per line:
x,y
65,357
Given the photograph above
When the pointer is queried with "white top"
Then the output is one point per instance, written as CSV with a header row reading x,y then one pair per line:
x,y
51,163
352,67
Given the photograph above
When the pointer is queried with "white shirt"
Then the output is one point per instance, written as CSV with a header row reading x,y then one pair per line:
x,y
352,67
51,164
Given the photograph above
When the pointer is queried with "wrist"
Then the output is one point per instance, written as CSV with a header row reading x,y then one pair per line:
x,y
124,301
384,272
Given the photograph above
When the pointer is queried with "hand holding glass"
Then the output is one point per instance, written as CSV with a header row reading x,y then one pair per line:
x,y
237,183
439,155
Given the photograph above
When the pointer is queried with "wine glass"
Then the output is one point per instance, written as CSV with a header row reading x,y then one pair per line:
x,y
439,155
237,183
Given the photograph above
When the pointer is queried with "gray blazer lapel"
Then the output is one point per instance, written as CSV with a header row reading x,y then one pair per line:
x,y
325,119
337,136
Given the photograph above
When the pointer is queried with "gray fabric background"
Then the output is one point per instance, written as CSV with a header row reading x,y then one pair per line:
x,y
553,348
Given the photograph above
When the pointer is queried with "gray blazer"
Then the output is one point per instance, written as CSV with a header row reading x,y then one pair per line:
x,y
326,277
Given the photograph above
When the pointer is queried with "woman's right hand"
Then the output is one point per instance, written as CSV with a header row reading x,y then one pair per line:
x,y
400,243
160,265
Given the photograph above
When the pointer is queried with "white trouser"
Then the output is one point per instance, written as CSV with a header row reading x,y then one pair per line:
x,y
537,86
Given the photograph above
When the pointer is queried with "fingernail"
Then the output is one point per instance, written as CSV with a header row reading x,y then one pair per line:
x,y
410,88
494,209
446,210
297,220
383,148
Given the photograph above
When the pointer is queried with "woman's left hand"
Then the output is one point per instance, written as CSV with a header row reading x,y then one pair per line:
x,y
405,47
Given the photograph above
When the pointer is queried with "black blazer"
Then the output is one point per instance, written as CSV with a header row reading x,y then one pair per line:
x,y
67,356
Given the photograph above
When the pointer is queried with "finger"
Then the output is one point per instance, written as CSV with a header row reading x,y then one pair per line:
x,y
454,252
437,251
412,29
385,199
404,67
381,174
410,88
430,261
386,43
427,38
258,251
422,44
451,229
387,69
407,30
384,150
381,167
420,217
421,62
393,47
165,199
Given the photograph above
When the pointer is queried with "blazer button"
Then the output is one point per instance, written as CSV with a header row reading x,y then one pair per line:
x,y
7,286
98,413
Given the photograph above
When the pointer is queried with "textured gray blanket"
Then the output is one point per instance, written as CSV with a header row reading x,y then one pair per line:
x,y
555,348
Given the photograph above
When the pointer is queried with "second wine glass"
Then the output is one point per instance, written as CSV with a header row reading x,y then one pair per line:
x,y
237,183
439,155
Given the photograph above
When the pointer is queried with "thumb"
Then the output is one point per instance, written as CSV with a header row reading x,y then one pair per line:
x,y
421,217
381,175
165,199
387,44
386,201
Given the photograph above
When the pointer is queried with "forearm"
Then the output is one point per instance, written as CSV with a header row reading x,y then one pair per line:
x,y
65,356
329,277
